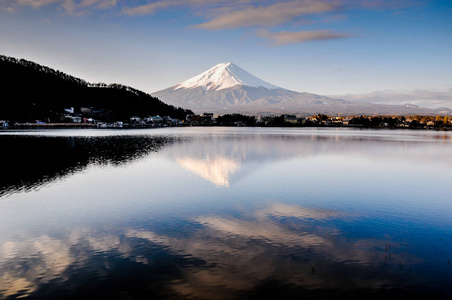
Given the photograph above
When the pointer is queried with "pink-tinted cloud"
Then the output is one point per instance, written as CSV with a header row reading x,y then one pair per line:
x,y
147,9
70,6
36,3
99,4
293,37
383,4
266,15
270,15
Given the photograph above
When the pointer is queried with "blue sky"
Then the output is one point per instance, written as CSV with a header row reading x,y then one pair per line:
x,y
328,47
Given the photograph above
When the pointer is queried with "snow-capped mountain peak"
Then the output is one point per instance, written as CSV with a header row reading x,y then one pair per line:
x,y
228,89
222,76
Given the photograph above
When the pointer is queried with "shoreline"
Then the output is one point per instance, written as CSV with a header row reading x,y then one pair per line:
x,y
51,125
95,126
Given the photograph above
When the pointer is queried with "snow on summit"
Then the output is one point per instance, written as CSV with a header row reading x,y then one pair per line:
x,y
222,76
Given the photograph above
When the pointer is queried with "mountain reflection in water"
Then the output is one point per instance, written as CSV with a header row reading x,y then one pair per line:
x,y
220,159
226,214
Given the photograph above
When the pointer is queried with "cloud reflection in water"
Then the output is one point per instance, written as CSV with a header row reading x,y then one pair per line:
x,y
349,207
280,242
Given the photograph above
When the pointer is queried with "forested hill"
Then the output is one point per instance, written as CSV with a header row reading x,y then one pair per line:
x,y
34,92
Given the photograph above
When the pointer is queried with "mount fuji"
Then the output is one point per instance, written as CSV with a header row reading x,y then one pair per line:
x,y
227,88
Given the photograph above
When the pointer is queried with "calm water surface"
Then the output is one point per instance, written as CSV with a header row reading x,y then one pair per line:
x,y
225,213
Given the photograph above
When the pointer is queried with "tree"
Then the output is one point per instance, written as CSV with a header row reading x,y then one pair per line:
x,y
438,120
322,117
376,121
445,121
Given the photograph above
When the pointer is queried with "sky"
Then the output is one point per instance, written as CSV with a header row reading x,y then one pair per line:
x,y
387,51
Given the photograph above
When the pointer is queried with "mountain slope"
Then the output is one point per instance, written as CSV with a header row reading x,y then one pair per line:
x,y
32,91
226,88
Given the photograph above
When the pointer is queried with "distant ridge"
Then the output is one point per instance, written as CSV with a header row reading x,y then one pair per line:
x,y
227,88
34,92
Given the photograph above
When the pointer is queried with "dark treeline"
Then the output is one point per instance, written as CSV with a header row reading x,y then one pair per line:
x,y
414,122
234,119
33,92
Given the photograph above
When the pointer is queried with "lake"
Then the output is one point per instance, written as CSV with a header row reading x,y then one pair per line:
x,y
226,213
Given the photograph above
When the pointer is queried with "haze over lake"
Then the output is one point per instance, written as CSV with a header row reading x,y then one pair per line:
x,y
225,213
